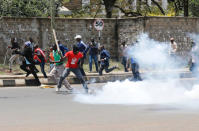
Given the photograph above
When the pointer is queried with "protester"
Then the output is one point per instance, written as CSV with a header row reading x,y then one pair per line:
x,y
194,57
40,58
51,58
83,49
15,53
58,68
124,56
30,43
93,54
173,48
104,61
74,60
135,70
62,48
28,64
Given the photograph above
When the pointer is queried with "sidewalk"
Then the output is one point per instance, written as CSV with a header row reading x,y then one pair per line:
x,y
21,80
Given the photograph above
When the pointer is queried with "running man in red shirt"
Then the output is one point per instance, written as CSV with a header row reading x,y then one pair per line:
x,y
73,62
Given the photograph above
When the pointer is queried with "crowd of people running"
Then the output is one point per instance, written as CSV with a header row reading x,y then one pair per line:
x,y
33,55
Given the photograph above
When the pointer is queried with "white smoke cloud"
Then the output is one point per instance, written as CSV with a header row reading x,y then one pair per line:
x,y
164,88
145,92
194,37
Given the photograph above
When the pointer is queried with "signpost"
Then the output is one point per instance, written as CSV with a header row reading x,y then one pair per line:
x,y
99,25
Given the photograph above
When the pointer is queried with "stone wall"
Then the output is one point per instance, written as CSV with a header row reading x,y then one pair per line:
x,y
114,32
163,28
66,29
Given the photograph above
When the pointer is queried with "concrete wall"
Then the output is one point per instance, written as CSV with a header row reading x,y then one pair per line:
x,y
114,32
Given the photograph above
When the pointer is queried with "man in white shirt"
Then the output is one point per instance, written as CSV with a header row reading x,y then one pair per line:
x,y
173,47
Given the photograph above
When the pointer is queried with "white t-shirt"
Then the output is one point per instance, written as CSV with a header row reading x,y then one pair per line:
x,y
173,48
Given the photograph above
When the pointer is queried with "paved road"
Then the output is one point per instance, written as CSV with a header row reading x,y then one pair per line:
x,y
36,109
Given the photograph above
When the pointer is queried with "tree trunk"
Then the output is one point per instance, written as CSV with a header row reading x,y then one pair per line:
x,y
109,7
139,3
186,8
159,7
108,12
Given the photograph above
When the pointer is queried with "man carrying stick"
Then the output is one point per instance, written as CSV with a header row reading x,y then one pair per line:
x,y
58,68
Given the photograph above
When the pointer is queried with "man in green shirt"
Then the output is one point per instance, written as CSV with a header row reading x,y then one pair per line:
x,y
58,68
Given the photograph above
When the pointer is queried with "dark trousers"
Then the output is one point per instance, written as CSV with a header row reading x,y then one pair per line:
x,y
30,69
81,67
77,73
124,63
42,67
135,71
193,67
102,67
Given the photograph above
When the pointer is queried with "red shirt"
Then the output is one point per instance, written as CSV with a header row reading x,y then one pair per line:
x,y
73,59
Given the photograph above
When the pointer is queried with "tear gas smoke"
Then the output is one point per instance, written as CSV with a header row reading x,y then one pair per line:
x,y
164,88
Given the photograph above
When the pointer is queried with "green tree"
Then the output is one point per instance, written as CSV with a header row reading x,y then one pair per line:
x,y
26,8
194,7
109,4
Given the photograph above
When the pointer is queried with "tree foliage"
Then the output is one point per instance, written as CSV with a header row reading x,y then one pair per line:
x,y
194,7
109,4
97,8
26,8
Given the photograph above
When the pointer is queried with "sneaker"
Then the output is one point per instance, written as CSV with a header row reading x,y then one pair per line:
x,y
69,88
70,91
57,89
116,67
90,91
126,70
38,83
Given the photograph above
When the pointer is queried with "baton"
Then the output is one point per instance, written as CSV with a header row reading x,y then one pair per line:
x,y
55,37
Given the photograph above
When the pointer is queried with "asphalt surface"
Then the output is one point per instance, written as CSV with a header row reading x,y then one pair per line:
x,y
36,109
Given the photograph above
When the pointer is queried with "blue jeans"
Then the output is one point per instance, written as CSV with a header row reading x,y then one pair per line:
x,y
124,62
135,71
42,66
106,69
93,57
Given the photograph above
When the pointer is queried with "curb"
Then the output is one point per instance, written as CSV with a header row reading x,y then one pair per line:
x,y
22,81
72,80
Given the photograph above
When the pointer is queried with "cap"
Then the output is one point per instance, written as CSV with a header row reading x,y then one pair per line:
x,y
78,37
172,38
27,43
